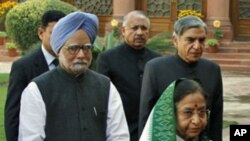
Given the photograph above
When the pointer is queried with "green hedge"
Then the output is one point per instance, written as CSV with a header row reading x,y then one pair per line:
x,y
23,20
160,41
4,80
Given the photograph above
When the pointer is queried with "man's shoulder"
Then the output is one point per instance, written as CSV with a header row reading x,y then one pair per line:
x,y
109,54
206,62
153,53
111,51
97,75
49,74
29,58
161,60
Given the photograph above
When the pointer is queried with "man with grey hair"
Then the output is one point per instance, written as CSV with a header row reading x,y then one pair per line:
x,y
124,65
71,102
189,37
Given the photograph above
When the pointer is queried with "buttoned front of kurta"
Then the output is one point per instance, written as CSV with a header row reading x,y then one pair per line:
x,y
124,65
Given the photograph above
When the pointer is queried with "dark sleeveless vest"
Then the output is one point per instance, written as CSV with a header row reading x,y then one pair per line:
x,y
76,107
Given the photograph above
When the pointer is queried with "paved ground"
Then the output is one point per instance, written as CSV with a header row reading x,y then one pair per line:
x,y
236,96
5,67
236,99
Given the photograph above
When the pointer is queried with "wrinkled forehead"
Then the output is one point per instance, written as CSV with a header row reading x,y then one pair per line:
x,y
138,20
195,33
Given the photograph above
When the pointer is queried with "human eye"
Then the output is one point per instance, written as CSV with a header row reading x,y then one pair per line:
x,y
87,46
187,113
144,28
73,48
190,39
134,28
202,40
202,112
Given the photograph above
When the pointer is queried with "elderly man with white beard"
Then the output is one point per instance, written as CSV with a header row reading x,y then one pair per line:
x,y
71,102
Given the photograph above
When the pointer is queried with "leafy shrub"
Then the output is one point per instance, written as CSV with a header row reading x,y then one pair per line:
x,y
160,41
3,34
10,45
23,20
211,42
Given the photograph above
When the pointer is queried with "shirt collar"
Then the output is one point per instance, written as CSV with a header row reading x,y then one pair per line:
x,y
48,57
133,50
184,63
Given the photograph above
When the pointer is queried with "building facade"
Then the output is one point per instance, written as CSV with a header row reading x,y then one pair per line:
x,y
234,14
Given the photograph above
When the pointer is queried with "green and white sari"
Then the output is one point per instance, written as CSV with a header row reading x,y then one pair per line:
x,y
161,124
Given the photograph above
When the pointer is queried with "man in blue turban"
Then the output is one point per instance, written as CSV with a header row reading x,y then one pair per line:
x,y
67,26
72,102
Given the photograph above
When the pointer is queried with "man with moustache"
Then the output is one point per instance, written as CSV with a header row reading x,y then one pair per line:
x,y
72,102
124,65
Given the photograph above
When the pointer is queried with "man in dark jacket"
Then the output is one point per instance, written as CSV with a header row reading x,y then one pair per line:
x,y
27,68
124,65
189,38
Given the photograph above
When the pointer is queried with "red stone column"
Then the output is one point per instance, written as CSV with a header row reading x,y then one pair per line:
x,y
219,10
121,8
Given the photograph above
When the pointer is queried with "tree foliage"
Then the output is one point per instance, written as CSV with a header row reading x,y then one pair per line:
x,y
23,20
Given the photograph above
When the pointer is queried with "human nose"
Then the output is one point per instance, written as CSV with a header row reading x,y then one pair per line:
x,y
81,52
197,45
139,31
195,118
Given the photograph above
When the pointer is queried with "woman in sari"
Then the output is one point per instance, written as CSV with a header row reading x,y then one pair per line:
x,y
180,114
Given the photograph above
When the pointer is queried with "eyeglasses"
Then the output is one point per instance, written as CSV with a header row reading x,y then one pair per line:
x,y
75,48
187,114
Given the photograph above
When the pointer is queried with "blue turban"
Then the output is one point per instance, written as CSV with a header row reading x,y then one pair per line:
x,y
69,24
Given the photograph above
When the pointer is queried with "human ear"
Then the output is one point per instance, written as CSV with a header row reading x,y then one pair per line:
x,y
175,41
40,32
123,30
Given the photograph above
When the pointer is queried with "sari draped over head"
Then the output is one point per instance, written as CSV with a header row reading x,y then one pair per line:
x,y
161,124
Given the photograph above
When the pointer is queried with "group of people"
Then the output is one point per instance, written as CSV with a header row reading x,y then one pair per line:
x,y
134,94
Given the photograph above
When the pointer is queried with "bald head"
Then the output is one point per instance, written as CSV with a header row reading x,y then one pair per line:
x,y
135,13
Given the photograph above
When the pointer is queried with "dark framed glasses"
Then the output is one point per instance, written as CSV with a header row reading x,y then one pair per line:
x,y
75,48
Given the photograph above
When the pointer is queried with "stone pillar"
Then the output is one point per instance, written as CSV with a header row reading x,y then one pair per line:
x,y
219,10
121,8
